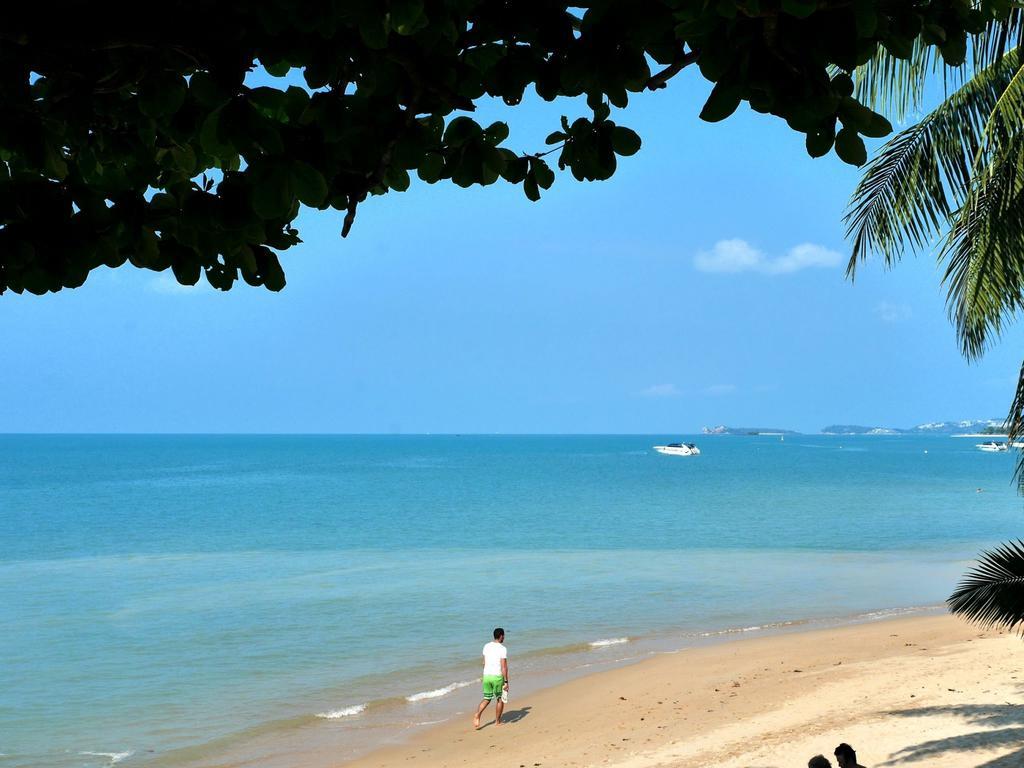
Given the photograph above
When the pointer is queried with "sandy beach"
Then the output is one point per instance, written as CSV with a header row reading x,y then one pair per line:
x,y
912,691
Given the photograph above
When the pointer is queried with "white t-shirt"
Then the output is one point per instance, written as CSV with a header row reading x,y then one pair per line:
x,y
493,654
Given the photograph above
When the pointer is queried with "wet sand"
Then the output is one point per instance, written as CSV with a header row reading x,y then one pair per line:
x,y
911,691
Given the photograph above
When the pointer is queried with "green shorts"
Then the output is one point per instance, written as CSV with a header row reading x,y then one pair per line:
x,y
492,686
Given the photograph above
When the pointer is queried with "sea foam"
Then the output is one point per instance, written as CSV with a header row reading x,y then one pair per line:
x,y
114,757
608,641
336,714
438,692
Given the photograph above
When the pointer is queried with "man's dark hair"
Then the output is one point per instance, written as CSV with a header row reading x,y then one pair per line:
x,y
845,750
498,632
819,761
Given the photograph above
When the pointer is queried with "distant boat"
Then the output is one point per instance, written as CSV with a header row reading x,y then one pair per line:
x,y
992,446
678,449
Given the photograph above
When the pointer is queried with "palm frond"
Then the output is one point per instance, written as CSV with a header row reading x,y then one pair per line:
x,y
998,37
1014,427
923,174
985,271
992,593
896,87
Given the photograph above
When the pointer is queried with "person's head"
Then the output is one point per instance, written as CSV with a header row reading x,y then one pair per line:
x,y
845,756
819,761
499,634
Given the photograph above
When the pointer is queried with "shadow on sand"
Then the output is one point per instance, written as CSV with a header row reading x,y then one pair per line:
x,y
1001,725
515,715
510,716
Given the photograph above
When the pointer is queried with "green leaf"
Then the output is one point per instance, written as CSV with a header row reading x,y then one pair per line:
x,y
309,184
542,173
555,138
516,167
147,249
530,187
496,133
270,101
374,32
843,85
723,101
460,130
270,269
878,127
273,194
162,94
800,8
865,13
819,143
850,147
186,273
277,68
625,141
206,91
954,50
397,179
431,167
863,120
209,137
407,16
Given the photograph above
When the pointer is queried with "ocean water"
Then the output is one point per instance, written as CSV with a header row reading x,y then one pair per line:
x,y
212,600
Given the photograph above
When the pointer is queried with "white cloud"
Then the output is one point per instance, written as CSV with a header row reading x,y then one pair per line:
x,y
729,256
893,313
166,284
660,390
720,389
738,255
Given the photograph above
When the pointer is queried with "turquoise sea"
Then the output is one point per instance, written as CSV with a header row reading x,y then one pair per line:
x,y
247,600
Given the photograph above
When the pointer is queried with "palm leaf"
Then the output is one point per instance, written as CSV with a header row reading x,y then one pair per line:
x,y
896,87
997,39
992,593
899,87
985,269
922,175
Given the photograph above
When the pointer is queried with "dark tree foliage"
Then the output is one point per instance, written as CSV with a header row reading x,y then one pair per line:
x,y
128,132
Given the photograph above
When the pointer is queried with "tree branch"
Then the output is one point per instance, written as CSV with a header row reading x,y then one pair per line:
x,y
661,79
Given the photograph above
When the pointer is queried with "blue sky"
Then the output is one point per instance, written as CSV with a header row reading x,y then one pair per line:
x,y
703,284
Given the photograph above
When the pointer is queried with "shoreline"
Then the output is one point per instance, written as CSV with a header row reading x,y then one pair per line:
x,y
352,732
766,699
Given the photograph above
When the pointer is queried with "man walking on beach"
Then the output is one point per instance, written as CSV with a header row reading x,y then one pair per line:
x,y
495,677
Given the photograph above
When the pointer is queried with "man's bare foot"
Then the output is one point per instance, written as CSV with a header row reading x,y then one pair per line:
x,y
476,721
497,723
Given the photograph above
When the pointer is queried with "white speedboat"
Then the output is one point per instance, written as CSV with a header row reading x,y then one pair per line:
x,y
678,449
992,446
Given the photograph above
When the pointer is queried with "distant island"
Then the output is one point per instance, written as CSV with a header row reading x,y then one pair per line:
x,y
992,427
723,430
972,426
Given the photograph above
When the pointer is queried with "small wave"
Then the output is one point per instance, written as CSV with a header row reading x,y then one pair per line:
x,y
438,692
752,628
730,631
608,641
336,714
114,757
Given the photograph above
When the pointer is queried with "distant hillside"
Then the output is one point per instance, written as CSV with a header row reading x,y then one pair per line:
x,y
723,430
856,429
973,426
986,426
